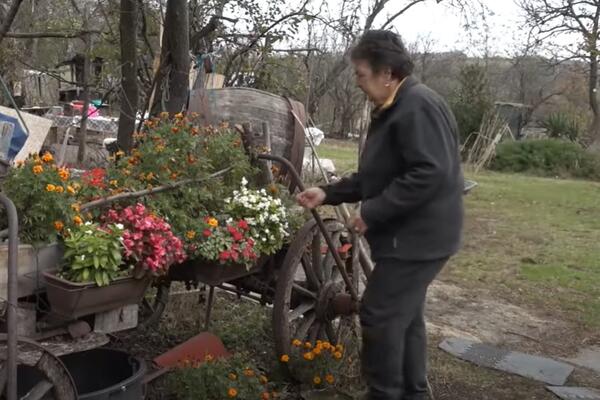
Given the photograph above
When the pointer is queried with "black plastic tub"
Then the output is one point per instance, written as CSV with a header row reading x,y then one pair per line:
x,y
106,374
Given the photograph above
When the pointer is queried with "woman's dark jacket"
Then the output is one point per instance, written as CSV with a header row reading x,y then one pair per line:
x,y
409,178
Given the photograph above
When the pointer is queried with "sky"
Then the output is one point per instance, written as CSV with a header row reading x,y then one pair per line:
x,y
444,27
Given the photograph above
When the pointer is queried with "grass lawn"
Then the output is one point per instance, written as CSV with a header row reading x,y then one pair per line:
x,y
534,241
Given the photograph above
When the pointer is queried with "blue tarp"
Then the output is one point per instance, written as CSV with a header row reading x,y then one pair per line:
x,y
19,135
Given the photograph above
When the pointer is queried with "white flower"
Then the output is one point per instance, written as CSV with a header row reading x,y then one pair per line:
x,y
88,232
82,257
120,226
244,181
88,223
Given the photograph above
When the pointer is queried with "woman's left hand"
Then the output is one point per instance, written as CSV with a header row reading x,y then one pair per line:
x,y
357,224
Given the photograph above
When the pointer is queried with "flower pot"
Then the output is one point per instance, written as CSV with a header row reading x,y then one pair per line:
x,y
73,300
31,261
211,272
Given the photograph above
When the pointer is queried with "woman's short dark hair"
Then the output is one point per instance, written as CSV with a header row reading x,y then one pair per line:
x,y
381,49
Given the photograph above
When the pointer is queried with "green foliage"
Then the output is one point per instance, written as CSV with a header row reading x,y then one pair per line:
x,y
565,125
220,379
548,157
92,253
472,100
44,196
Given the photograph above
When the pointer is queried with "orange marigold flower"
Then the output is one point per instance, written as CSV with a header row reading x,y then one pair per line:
x,y
330,379
317,350
263,379
75,207
63,173
248,372
50,188
296,342
190,234
337,355
114,182
58,225
174,175
317,380
232,376
339,348
213,222
284,358
179,115
174,129
308,345
77,220
309,356
326,345
232,393
149,123
265,396
159,148
47,157
59,189
195,131
71,189
38,169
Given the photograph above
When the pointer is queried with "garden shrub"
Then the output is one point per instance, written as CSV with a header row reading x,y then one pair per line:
x,y
547,157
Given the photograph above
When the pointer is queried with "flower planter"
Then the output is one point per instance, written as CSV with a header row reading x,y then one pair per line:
x,y
31,261
212,273
73,300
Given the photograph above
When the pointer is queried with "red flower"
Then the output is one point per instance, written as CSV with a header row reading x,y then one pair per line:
x,y
206,233
243,225
224,256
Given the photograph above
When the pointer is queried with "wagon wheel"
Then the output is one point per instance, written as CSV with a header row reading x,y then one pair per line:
x,y
311,299
39,372
154,303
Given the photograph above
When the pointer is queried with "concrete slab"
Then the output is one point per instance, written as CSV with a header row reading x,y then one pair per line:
x,y
587,358
538,368
575,393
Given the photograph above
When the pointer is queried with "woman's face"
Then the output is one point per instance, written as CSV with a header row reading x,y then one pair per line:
x,y
376,85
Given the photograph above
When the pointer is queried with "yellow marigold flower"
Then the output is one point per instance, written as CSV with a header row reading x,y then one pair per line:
x,y
59,189
63,173
76,207
190,234
38,169
114,182
71,189
58,225
263,379
317,380
164,115
47,157
337,355
284,358
179,115
339,348
232,376
308,345
76,186
309,356
77,220
326,345
232,393
329,379
213,222
296,343
248,372
317,350
50,188
159,148
150,176
120,153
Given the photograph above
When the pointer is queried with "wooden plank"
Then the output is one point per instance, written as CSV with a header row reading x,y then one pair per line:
x,y
6,133
38,391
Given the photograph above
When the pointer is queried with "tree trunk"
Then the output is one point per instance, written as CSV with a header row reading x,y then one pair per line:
x,y
10,16
87,38
129,94
178,47
593,98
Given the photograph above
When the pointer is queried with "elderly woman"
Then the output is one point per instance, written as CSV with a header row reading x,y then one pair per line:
x,y
410,184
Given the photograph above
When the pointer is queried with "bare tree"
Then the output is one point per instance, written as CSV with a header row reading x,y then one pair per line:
x,y
9,18
572,18
129,86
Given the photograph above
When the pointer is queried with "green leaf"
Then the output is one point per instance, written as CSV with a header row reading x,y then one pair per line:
x,y
98,278
96,261
85,275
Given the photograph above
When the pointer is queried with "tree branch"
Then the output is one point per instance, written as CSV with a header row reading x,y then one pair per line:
x,y
399,13
10,16
140,193
63,35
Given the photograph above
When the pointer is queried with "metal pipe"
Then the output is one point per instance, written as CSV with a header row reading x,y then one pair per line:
x,y
11,320
338,260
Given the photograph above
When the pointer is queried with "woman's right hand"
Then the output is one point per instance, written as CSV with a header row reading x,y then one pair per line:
x,y
311,198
